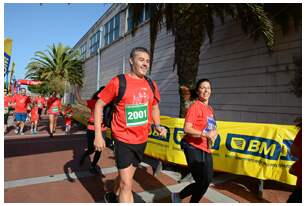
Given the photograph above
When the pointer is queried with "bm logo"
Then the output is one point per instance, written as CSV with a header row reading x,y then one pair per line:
x,y
256,146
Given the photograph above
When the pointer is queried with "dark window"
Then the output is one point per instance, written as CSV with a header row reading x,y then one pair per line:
x,y
111,30
94,42
83,51
143,17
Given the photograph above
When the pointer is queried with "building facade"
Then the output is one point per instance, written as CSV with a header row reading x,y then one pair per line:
x,y
250,84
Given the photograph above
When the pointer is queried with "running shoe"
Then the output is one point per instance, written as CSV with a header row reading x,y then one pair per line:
x,y
17,130
110,197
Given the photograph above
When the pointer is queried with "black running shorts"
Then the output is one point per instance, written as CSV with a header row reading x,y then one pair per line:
x,y
128,154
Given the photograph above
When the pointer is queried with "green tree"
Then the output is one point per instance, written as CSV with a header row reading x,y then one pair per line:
x,y
192,23
42,89
58,67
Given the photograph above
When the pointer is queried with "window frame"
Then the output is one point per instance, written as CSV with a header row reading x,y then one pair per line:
x,y
112,30
94,42
83,50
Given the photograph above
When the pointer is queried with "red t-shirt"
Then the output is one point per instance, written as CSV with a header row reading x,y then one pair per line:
x,y
133,114
7,100
91,105
54,105
11,99
68,113
201,116
40,102
22,102
34,114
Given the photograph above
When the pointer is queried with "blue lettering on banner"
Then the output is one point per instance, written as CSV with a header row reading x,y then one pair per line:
x,y
257,146
287,155
175,134
154,134
217,142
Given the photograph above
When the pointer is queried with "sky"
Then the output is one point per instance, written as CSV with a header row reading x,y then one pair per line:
x,y
33,27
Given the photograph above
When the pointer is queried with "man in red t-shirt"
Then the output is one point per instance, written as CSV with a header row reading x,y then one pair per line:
x,y
21,101
131,122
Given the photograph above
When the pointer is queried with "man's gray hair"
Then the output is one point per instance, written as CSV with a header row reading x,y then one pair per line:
x,y
139,49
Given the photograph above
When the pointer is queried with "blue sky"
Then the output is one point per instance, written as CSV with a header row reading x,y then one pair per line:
x,y
33,27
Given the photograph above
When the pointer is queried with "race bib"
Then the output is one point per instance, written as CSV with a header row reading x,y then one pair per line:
x,y
211,124
136,115
39,105
55,109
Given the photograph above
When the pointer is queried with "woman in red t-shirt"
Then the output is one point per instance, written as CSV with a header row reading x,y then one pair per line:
x,y
90,135
200,132
54,106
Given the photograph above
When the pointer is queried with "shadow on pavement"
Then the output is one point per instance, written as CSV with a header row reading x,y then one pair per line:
x,y
39,145
247,188
92,183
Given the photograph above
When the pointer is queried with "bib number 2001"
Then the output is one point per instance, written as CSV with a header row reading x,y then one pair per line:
x,y
136,115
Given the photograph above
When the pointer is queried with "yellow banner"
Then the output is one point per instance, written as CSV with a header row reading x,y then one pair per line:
x,y
256,150
8,43
8,46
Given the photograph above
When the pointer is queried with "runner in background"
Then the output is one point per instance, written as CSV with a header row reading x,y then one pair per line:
x,y
7,108
200,132
41,102
28,120
21,102
68,113
46,104
54,106
34,117
90,135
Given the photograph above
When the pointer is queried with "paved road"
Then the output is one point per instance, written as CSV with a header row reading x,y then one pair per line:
x,y
40,169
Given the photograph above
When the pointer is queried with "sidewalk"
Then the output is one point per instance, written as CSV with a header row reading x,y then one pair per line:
x,y
42,169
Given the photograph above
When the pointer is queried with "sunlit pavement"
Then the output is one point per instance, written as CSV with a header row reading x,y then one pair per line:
x,y
38,168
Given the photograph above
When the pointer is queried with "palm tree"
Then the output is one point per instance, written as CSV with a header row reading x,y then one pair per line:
x,y
192,23
56,67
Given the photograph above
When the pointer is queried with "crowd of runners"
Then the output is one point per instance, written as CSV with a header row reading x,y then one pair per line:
x,y
136,107
26,111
